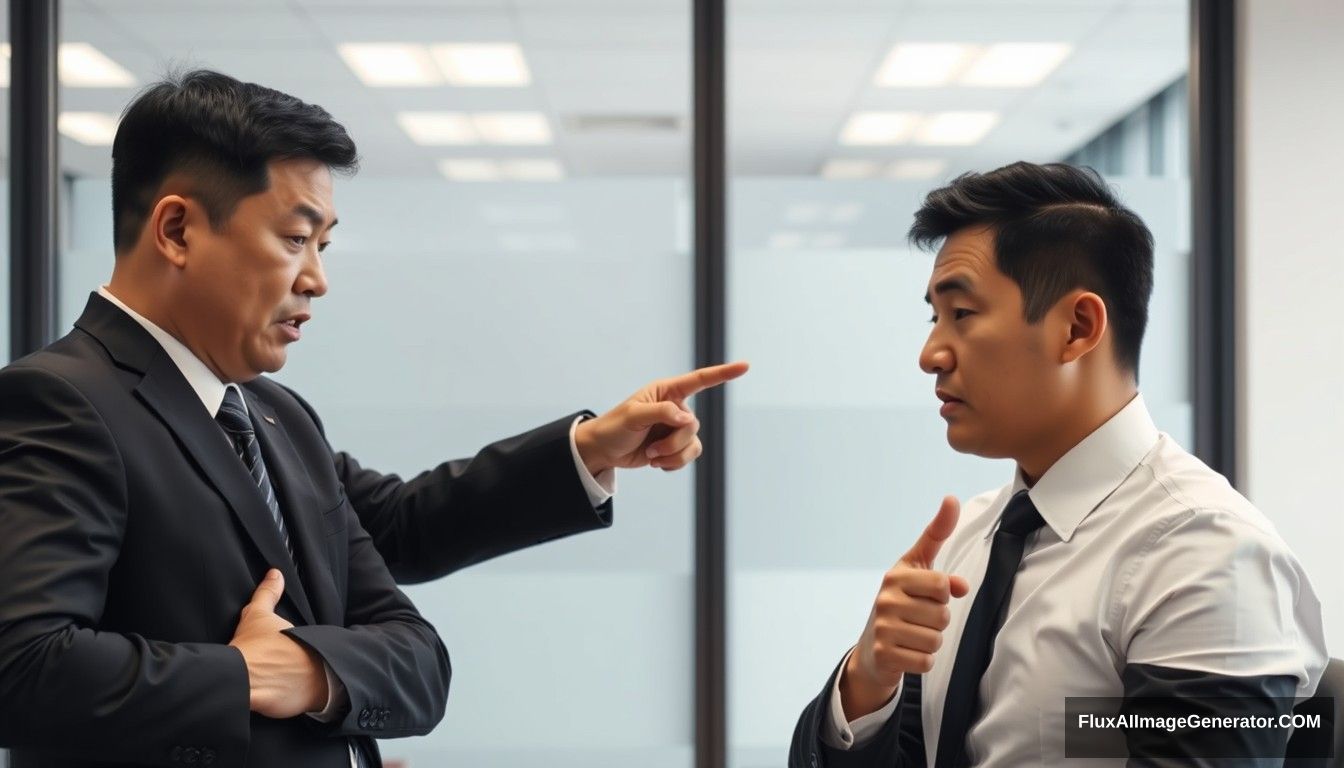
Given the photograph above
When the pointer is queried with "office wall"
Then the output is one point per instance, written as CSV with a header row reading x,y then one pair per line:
x,y
1291,103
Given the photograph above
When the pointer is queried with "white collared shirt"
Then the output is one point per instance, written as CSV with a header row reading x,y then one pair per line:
x,y
1147,556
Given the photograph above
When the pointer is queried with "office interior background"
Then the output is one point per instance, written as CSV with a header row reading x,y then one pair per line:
x,y
520,243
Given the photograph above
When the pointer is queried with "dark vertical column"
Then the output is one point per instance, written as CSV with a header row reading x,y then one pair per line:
x,y
1214,279
710,243
32,175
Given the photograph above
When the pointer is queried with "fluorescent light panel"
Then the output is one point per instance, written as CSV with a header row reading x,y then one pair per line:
x,y
512,127
955,128
1015,65
438,128
483,169
878,128
391,64
923,65
849,169
482,64
96,129
83,66
916,168
80,66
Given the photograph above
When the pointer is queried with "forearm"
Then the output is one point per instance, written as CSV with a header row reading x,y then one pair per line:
x,y
513,494
396,670
116,692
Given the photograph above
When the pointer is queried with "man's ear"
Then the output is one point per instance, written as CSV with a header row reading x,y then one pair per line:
x,y
170,224
1086,316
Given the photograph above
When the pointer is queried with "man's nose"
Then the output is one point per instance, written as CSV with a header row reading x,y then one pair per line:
x,y
935,357
313,279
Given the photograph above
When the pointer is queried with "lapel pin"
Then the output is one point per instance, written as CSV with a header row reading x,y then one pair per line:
x,y
268,419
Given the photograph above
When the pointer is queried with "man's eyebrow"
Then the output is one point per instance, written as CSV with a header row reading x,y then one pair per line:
x,y
949,285
312,214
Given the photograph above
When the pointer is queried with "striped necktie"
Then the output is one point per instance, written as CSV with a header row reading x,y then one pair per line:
x,y
233,418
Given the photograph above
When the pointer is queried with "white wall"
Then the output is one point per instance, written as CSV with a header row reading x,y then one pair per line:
x,y
1291,98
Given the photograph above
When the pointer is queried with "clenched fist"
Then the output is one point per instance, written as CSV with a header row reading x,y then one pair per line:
x,y
905,627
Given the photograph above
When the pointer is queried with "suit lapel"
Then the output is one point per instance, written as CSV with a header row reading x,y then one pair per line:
x,y
294,488
166,392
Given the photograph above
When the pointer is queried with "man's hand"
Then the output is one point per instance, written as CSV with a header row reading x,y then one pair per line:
x,y
286,679
653,427
906,625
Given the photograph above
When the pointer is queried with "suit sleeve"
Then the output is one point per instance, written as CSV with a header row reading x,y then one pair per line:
x,y
391,661
512,494
900,743
63,506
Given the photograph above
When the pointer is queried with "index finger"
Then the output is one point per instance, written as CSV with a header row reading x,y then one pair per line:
x,y
688,384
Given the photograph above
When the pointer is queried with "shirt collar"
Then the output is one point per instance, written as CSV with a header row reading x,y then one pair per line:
x,y
202,380
1083,478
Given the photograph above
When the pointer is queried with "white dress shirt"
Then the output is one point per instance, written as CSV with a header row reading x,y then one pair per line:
x,y
1147,556
211,390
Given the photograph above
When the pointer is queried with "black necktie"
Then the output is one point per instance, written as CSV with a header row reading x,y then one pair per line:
x,y
233,418
961,702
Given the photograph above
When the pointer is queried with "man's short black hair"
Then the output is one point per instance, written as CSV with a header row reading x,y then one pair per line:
x,y
1056,228
219,131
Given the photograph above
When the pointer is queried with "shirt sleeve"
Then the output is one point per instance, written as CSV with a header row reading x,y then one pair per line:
x,y
1219,592
599,488
841,734
337,698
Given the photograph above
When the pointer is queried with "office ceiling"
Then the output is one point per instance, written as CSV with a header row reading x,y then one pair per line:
x,y
798,69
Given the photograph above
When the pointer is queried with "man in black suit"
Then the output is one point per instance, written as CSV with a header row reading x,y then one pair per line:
x,y
185,572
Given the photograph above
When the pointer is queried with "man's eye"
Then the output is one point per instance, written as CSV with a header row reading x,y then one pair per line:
x,y
299,240
323,246
958,314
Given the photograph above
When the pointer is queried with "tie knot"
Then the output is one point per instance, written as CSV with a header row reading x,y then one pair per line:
x,y
233,414
1020,516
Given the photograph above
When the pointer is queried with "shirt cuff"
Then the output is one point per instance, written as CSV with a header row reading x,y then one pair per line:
x,y
599,488
337,699
840,734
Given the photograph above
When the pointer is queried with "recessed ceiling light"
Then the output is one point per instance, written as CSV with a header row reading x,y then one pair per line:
x,y
532,170
96,129
956,128
462,169
438,128
916,168
512,127
922,65
849,169
391,64
1015,65
482,64
869,128
83,66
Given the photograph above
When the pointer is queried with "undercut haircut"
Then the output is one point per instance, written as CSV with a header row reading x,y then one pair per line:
x,y
219,133
1056,228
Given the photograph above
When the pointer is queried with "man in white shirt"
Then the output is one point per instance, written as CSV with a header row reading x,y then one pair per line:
x,y
1114,565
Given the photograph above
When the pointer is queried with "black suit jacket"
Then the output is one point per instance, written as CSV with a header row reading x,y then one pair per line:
x,y
131,536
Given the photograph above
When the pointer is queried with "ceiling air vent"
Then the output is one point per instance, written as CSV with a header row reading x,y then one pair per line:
x,y
595,123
